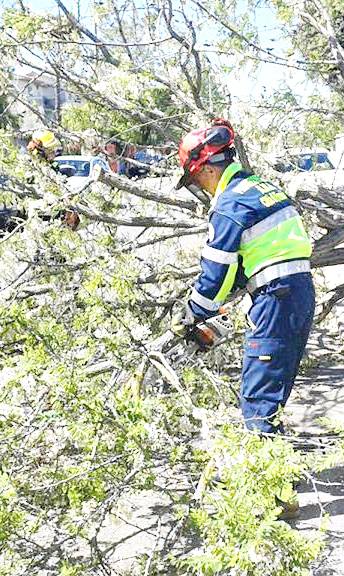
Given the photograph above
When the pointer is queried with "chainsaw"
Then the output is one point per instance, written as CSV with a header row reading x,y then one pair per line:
x,y
212,332
200,337
168,351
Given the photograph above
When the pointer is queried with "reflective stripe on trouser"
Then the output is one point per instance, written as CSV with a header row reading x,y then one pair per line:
x,y
282,314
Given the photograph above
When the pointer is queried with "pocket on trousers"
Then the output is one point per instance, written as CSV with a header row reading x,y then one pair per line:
x,y
265,369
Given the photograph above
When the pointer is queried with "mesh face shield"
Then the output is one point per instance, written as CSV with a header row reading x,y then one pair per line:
x,y
226,155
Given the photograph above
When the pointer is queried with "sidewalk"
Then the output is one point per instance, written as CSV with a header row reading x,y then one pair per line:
x,y
319,393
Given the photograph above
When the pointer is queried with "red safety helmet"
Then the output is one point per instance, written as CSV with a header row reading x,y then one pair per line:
x,y
204,145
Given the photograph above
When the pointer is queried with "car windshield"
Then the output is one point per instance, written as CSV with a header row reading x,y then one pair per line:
x,y
82,167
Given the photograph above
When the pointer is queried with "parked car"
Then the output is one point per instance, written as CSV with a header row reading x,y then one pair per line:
x,y
146,157
306,170
80,169
304,162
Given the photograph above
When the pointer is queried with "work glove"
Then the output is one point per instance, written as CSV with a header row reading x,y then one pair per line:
x,y
183,322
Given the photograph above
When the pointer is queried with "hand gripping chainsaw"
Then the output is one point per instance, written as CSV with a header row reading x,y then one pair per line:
x,y
213,331
201,337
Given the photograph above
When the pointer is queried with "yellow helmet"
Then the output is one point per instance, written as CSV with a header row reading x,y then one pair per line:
x,y
48,139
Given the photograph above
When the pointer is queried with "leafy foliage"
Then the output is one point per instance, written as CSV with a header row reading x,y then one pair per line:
x,y
238,517
86,417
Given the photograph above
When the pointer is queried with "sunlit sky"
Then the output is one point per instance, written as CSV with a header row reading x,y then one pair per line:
x,y
243,85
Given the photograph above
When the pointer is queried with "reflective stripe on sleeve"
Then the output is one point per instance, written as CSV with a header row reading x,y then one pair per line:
x,y
219,256
268,223
227,284
203,301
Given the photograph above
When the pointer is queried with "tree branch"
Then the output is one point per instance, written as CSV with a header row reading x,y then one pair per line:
x,y
83,30
176,234
123,183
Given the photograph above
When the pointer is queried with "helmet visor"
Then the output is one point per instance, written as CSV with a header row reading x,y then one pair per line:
x,y
183,180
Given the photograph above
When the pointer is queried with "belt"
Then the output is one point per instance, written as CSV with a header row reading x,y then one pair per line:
x,y
277,271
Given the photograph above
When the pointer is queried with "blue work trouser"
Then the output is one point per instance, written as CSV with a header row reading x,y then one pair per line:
x,y
280,318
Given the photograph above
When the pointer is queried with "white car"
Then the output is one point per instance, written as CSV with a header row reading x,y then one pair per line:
x,y
80,169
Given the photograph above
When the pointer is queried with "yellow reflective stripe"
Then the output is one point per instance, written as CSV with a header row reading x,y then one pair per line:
x,y
227,284
226,177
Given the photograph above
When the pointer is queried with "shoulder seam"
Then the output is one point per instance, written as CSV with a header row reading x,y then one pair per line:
x,y
228,218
